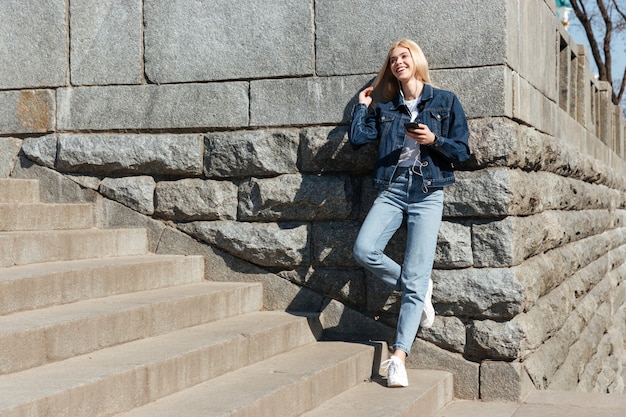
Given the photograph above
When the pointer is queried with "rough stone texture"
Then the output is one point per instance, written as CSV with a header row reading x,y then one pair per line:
x,y
447,332
302,101
32,29
466,373
130,154
340,29
9,148
27,111
134,192
503,381
325,149
106,42
508,242
296,197
264,244
454,246
332,243
221,43
153,107
253,153
481,293
42,149
196,199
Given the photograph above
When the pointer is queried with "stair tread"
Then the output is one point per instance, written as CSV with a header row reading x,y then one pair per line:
x,y
62,314
54,267
140,357
26,287
374,398
305,367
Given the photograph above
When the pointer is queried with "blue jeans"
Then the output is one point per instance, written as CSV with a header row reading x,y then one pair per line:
x,y
423,208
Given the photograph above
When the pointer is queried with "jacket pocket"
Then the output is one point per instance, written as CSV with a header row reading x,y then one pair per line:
x,y
440,122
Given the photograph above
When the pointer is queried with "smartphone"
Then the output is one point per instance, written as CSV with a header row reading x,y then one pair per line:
x,y
412,125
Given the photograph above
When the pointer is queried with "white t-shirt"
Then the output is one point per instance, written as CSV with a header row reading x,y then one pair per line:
x,y
410,149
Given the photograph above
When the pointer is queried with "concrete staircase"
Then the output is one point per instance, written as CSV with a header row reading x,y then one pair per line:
x,y
91,324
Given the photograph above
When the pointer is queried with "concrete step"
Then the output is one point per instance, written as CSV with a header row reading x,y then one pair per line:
x,y
428,392
33,338
19,191
39,216
22,248
42,285
122,377
543,403
286,385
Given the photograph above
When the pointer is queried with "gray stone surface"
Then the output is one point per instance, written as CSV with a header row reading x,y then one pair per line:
x,y
33,44
42,149
325,149
503,381
27,111
284,245
296,197
106,42
333,243
466,373
454,246
9,148
304,101
251,153
131,154
349,41
448,333
193,40
153,107
481,293
134,192
196,199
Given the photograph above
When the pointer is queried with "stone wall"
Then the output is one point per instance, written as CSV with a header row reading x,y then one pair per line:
x,y
221,127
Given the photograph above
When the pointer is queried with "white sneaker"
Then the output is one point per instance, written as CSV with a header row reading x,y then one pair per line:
x,y
428,314
396,372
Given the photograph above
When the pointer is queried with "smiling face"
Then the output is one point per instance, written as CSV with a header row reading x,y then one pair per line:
x,y
401,63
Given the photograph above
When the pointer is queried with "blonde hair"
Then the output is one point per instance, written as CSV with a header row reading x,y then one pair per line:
x,y
386,86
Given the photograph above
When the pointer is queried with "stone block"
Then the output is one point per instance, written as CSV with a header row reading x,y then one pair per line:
x,y
296,197
325,149
454,246
344,285
153,107
448,333
332,243
466,373
483,92
196,199
481,293
258,153
458,35
42,149
113,154
136,193
508,242
54,187
106,42
504,381
284,245
33,44
341,322
488,339
27,111
193,40
304,101
9,148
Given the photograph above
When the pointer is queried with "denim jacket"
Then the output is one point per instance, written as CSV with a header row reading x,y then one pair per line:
x,y
444,115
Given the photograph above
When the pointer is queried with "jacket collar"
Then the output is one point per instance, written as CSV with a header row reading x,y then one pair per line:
x,y
427,94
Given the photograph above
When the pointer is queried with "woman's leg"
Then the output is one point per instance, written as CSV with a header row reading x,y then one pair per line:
x,y
423,221
382,221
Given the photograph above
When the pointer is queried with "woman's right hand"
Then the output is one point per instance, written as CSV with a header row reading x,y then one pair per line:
x,y
365,96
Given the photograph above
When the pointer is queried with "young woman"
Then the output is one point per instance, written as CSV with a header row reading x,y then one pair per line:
x,y
421,133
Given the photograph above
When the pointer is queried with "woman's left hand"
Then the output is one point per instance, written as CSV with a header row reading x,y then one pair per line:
x,y
421,135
